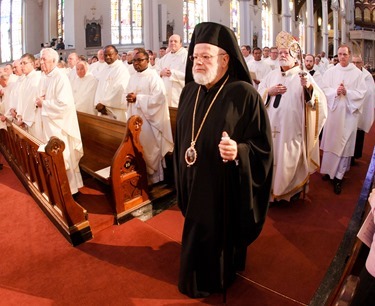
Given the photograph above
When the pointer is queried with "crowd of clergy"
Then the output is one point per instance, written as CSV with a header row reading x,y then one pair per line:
x,y
327,111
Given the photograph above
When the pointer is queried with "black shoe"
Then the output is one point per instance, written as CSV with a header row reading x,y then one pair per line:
x,y
1,166
337,186
75,196
326,177
295,197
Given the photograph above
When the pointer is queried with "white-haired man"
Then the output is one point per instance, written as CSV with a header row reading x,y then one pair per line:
x,y
84,89
297,110
222,159
59,116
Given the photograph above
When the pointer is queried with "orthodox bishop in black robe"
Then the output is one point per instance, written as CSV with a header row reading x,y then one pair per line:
x,y
223,198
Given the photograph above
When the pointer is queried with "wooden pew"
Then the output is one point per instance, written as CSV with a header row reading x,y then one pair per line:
x,y
43,174
114,155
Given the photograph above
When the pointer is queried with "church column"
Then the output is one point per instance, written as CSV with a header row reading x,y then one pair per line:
x,y
151,25
335,12
325,25
286,16
245,23
310,27
343,21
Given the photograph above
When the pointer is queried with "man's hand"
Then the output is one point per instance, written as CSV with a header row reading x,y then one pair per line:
x,y
227,148
341,90
305,82
131,97
278,89
165,72
101,108
39,101
13,112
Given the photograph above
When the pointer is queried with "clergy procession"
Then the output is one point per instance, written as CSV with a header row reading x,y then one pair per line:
x,y
253,124
301,92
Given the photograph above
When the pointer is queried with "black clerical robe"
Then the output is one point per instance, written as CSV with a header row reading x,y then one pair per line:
x,y
224,204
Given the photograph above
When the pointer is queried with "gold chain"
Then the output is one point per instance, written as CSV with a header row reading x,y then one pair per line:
x,y
193,141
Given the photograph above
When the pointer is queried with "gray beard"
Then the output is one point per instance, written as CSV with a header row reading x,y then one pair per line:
x,y
203,79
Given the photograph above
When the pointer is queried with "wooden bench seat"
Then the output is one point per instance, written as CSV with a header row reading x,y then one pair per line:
x,y
114,155
101,137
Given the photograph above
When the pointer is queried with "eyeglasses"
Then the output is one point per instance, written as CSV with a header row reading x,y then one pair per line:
x,y
204,58
138,60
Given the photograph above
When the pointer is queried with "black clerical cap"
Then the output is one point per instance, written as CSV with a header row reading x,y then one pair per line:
x,y
222,37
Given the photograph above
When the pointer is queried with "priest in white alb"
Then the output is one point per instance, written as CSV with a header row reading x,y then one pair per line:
x,y
345,88
30,89
297,109
146,98
171,68
112,82
84,89
258,68
59,116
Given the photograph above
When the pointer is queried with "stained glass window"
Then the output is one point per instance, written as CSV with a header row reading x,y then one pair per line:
x,y
235,18
126,22
60,18
266,24
194,12
11,30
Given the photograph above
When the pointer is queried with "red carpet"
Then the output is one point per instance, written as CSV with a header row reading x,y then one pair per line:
x,y
137,263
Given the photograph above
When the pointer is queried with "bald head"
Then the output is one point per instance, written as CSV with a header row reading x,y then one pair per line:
x,y
175,43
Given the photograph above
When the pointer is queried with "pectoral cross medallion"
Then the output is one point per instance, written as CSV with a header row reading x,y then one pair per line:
x,y
191,155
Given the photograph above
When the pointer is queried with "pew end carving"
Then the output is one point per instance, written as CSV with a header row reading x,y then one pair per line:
x,y
41,169
128,172
114,156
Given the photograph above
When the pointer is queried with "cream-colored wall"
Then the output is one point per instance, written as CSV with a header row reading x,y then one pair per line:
x,y
33,20
174,14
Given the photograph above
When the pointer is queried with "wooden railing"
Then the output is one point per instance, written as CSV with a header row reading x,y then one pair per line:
x,y
41,169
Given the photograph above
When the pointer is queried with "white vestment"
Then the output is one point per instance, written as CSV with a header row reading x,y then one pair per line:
x,y
29,90
317,76
151,106
84,90
258,70
59,118
97,68
130,68
5,104
176,62
295,127
339,132
13,96
112,82
272,63
5,99
366,117
249,58
72,74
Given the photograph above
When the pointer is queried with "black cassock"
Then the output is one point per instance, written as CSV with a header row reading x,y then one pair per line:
x,y
224,204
